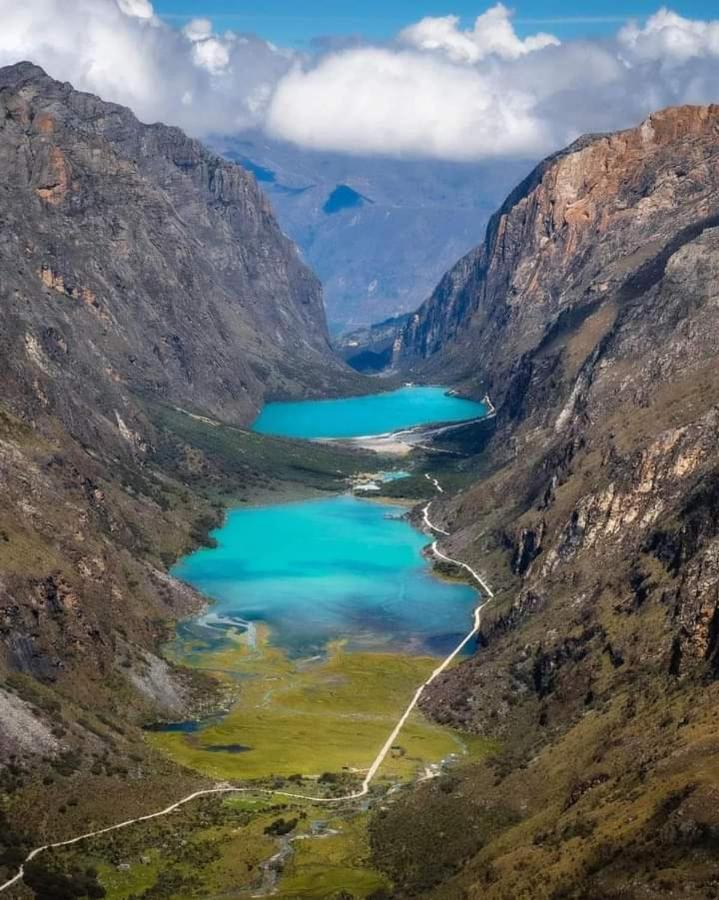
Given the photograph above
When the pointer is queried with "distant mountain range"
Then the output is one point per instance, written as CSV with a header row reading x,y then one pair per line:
x,y
378,232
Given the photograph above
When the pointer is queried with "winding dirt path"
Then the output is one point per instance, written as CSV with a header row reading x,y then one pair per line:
x,y
371,772
434,481
428,522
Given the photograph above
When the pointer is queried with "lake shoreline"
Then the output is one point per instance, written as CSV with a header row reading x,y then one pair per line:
x,y
368,417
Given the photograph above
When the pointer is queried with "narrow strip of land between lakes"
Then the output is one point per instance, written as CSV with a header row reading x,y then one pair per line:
x,y
404,440
371,772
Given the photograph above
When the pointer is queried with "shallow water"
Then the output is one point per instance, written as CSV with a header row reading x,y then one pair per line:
x,y
319,570
397,475
189,726
369,415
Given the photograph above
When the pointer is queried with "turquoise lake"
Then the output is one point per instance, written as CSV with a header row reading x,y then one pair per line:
x,y
369,415
323,569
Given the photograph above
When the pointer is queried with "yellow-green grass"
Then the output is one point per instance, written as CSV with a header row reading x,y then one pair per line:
x,y
318,866
324,866
121,884
241,851
309,718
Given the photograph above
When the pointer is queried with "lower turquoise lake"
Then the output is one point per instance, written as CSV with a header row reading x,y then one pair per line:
x,y
368,415
319,570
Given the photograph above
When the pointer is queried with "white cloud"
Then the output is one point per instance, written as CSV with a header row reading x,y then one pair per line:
x,y
671,38
427,95
485,92
120,50
210,51
492,34
438,90
141,9
374,100
211,54
198,30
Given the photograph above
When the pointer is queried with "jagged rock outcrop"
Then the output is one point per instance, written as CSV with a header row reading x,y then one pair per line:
x,y
590,314
604,214
371,349
134,262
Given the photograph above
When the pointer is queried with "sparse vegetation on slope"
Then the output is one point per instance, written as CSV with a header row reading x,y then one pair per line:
x,y
589,314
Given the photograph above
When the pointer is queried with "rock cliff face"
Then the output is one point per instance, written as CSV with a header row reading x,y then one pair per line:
x,y
590,314
370,349
135,262
567,239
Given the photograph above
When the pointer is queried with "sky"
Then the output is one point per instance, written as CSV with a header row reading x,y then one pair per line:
x,y
464,82
280,21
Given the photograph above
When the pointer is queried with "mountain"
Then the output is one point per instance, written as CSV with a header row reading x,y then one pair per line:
x,y
590,315
371,349
379,232
149,304
161,256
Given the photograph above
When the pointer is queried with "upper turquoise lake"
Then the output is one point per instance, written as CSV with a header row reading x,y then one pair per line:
x,y
368,415
318,570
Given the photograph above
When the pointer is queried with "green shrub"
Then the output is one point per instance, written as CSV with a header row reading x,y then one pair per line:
x,y
281,826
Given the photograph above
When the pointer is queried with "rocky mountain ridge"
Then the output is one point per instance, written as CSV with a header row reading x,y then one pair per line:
x,y
590,315
136,263
370,349
575,214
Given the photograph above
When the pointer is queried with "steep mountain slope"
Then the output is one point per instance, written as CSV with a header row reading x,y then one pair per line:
x,y
379,232
134,260
590,314
565,239
371,349
139,274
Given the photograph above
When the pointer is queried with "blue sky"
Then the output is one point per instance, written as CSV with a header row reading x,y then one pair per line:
x,y
293,23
